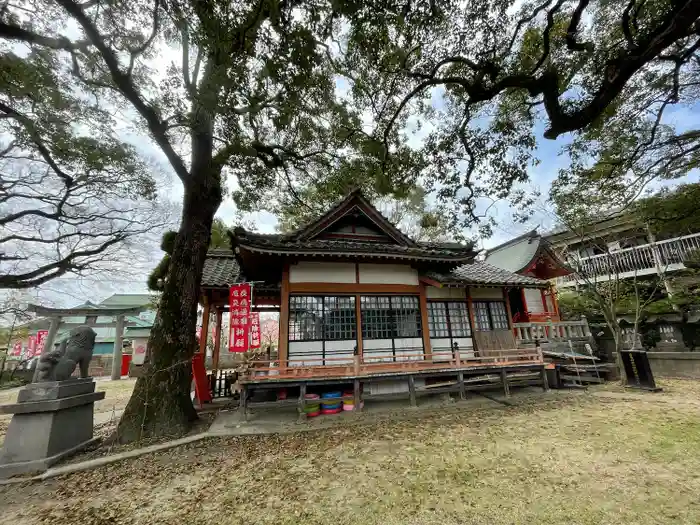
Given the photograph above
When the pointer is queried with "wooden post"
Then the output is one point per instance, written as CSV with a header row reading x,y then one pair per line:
x,y
412,390
555,302
504,379
423,300
470,308
243,407
545,381
204,334
284,319
358,329
117,350
217,342
462,390
356,391
525,312
508,310
302,400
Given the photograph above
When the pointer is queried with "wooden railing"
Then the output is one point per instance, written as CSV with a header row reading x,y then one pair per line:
x,y
358,366
668,255
551,331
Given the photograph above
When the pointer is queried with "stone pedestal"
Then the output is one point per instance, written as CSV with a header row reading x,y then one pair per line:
x,y
50,420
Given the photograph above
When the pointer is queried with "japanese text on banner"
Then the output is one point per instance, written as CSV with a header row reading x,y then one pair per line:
x,y
40,337
239,307
255,330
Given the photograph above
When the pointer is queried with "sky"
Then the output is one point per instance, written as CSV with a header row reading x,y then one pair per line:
x,y
131,279
71,290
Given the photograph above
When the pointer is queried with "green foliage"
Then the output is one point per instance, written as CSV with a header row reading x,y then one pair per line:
x,y
219,235
487,74
671,212
219,239
573,305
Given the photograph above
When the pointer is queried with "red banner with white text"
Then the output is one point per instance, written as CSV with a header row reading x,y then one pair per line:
x,y
254,330
40,338
239,308
16,349
31,347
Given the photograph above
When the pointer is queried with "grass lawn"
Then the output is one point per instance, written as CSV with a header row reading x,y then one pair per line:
x,y
563,458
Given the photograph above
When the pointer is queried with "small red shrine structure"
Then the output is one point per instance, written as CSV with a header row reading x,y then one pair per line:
x,y
530,255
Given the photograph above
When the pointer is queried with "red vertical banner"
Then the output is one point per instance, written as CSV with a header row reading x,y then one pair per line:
x,y
17,349
40,338
254,330
31,347
239,308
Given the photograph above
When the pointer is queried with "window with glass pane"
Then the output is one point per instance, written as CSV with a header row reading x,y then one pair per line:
x,y
390,317
305,318
499,316
377,319
459,319
339,319
437,320
481,316
407,316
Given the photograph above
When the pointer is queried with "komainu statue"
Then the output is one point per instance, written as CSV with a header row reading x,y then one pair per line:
x,y
59,364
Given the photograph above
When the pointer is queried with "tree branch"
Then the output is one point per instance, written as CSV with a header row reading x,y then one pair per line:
x,y
571,31
124,83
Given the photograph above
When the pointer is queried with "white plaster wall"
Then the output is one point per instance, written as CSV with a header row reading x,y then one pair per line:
x,y
486,293
388,274
340,349
377,348
409,346
322,272
305,353
445,293
533,298
443,352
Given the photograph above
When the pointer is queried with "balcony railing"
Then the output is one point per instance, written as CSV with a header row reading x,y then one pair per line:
x,y
359,366
551,331
638,260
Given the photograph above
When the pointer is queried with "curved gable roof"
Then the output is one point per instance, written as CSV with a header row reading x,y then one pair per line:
x,y
516,254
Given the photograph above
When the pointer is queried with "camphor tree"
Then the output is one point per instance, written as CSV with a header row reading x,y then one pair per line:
x,y
73,196
251,95
488,75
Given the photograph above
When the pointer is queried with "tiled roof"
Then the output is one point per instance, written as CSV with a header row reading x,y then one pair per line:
x,y
516,254
220,269
128,299
274,243
354,199
482,273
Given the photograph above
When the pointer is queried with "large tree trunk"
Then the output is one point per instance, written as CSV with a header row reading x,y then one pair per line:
x,y
161,404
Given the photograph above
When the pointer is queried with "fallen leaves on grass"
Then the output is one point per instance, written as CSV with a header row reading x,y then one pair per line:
x,y
560,459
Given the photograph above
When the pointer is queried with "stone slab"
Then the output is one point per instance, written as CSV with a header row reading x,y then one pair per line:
x,y
52,405
55,390
41,465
